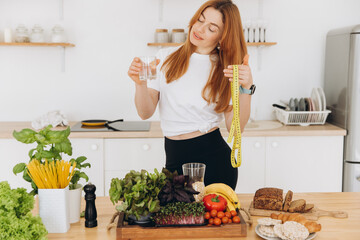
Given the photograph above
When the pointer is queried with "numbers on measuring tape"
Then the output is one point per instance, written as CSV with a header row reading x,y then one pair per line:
x,y
235,130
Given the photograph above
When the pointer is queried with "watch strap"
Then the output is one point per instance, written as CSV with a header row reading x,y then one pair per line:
x,y
244,90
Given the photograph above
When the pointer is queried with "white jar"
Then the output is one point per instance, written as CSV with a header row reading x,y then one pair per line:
x,y
178,36
58,34
37,34
161,36
21,34
7,35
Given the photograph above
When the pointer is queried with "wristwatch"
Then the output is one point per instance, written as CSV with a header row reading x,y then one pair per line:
x,y
250,91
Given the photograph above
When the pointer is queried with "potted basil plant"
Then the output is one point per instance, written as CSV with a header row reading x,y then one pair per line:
x,y
53,145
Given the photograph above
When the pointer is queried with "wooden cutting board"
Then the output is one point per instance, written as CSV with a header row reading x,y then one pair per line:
x,y
135,232
313,215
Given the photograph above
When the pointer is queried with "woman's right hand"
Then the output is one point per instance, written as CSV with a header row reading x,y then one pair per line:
x,y
134,71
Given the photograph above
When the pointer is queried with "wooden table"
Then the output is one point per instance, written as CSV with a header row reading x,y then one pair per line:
x,y
332,228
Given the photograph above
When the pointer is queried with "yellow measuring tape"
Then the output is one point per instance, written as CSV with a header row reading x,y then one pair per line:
x,y
235,130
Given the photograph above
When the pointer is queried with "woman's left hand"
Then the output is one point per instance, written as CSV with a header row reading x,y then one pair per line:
x,y
245,77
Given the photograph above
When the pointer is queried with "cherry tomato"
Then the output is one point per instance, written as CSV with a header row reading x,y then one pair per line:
x,y
217,221
207,215
220,214
225,220
236,219
211,221
233,213
230,221
228,214
213,213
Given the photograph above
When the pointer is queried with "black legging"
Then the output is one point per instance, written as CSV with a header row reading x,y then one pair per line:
x,y
210,149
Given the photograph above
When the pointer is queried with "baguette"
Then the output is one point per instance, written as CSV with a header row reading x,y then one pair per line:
x,y
297,217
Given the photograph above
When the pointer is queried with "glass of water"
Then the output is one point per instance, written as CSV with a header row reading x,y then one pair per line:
x,y
148,68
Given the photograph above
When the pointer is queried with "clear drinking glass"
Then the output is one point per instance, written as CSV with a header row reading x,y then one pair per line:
x,y
148,68
196,173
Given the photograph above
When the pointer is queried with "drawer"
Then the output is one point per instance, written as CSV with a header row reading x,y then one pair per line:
x,y
134,154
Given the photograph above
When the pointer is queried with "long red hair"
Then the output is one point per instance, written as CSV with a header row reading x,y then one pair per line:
x,y
232,51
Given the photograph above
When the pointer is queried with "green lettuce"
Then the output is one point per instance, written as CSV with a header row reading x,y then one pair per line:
x,y
16,220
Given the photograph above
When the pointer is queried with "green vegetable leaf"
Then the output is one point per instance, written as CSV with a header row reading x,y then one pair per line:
x,y
64,146
31,152
85,165
20,167
26,176
81,159
39,138
47,154
58,136
16,220
84,176
25,136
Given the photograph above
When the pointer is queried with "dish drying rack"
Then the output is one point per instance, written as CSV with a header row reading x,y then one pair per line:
x,y
302,118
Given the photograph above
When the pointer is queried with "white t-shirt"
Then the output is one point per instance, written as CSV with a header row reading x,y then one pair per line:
x,y
182,108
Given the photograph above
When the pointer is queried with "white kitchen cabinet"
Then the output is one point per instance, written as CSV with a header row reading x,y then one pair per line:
x,y
251,173
305,164
13,152
93,149
123,155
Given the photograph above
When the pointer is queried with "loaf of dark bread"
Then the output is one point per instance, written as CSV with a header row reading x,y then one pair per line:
x,y
269,198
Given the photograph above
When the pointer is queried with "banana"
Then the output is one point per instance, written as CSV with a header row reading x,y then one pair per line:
x,y
225,190
230,205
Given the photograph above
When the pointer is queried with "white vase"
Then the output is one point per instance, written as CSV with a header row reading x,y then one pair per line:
x,y
54,209
75,203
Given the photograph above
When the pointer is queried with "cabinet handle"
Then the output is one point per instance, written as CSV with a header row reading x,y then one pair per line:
x,y
257,145
275,144
94,147
146,147
358,178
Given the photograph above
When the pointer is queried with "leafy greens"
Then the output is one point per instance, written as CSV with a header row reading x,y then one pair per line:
x,y
138,192
16,220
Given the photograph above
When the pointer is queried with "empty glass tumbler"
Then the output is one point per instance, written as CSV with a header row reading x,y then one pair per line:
x,y
148,68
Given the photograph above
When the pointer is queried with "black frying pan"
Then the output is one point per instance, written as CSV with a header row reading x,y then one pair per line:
x,y
98,122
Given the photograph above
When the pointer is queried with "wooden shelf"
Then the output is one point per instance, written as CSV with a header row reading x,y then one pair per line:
x,y
178,44
38,44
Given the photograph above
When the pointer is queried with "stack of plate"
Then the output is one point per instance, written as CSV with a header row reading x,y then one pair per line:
x,y
317,102
305,111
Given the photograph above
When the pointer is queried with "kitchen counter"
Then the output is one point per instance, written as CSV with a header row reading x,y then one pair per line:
x,y
252,129
332,228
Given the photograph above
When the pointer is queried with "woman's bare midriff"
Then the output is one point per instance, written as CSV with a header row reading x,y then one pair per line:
x,y
190,135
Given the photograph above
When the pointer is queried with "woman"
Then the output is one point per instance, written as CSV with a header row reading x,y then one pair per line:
x,y
193,91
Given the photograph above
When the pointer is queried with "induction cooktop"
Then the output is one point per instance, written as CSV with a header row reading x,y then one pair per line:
x,y
126,126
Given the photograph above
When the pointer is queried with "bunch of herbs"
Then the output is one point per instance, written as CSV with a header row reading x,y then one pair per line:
x,y
51,145
137,192
178,188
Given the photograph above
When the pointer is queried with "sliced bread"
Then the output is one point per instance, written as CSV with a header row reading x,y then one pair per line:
x,y
287,201
297,205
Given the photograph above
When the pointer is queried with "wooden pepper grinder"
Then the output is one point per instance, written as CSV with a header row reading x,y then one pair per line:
x,y
90,209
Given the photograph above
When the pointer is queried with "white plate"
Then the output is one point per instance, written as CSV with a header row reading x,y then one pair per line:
x,y
315,96
311,236
323,99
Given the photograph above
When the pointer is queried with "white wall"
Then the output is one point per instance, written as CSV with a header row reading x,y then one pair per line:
x,y
109,33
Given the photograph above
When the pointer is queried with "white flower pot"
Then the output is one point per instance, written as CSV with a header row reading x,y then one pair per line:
x,y
54,209
75,203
